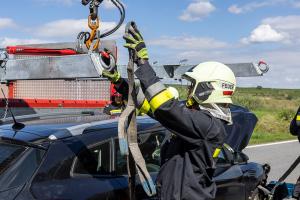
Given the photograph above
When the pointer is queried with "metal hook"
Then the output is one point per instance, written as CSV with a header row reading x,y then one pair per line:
x,y
93,25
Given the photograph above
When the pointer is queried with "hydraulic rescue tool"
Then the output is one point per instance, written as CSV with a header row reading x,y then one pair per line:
x,y
127,133
277,190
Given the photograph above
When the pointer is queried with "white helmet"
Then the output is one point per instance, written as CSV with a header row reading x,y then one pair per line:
x,y
212,82
174,92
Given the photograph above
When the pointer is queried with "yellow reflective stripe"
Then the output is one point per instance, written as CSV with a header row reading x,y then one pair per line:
x,y
217,152
144,109
298,118
160,99
115,111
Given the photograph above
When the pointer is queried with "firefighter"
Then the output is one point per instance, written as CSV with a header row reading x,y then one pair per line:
x,y
116,105
188,158
295,125
295,130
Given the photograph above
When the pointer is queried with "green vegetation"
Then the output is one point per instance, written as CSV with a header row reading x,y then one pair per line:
x,y
274,108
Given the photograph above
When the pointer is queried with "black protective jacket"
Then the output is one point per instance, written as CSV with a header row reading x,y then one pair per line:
x,y
187,163
295,125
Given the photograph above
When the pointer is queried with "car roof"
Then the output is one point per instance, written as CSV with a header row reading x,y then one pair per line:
x,y
41,130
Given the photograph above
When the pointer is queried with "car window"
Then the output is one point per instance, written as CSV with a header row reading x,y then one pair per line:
x,y
18,172
8,154
94,160
150,144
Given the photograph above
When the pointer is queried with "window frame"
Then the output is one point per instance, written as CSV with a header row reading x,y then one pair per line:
x,y
112,149
111,157
115,139
19,163
16,159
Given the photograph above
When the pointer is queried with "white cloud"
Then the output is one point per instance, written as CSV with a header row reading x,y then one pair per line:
x,y
188,42
285,29
197,11
292,80
264,33
69,28
6,41
60,2
236,9
283,62
284,23
106,4
6,23
62,28
297,4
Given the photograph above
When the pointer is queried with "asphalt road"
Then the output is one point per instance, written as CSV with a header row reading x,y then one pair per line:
x,y
279,156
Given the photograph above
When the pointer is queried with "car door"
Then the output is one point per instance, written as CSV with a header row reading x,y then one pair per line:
x,y
229,177
92,172
78,168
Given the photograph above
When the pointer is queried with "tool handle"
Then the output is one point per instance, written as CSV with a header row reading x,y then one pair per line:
x,y
22,50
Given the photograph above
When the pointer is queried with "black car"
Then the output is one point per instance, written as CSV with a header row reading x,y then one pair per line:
x,y
78,157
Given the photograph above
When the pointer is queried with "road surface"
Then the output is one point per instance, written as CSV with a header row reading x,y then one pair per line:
x,y
279,155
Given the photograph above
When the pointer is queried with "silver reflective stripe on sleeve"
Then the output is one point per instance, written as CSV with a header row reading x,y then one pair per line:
x,y
140,97
154,89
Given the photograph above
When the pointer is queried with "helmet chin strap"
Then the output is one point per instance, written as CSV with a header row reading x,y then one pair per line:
x,y
218,112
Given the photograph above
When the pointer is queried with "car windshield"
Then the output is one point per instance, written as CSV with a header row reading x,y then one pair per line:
x,y
8,154
17,164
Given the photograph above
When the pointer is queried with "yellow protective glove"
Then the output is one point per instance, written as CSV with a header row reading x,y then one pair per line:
x,y
114,76
135,42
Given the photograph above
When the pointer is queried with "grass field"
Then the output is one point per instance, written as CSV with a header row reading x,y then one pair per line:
x,y
274,108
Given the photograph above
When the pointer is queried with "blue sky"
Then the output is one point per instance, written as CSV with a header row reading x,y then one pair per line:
x,y
198,30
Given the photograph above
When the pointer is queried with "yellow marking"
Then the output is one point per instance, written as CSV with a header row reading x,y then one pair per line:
x,y
145,107
160,99
217,152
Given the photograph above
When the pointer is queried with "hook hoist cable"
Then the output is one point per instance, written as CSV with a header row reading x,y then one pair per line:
x,y
92,39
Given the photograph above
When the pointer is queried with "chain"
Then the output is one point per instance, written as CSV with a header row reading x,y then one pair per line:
x,y
6,110
3,60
